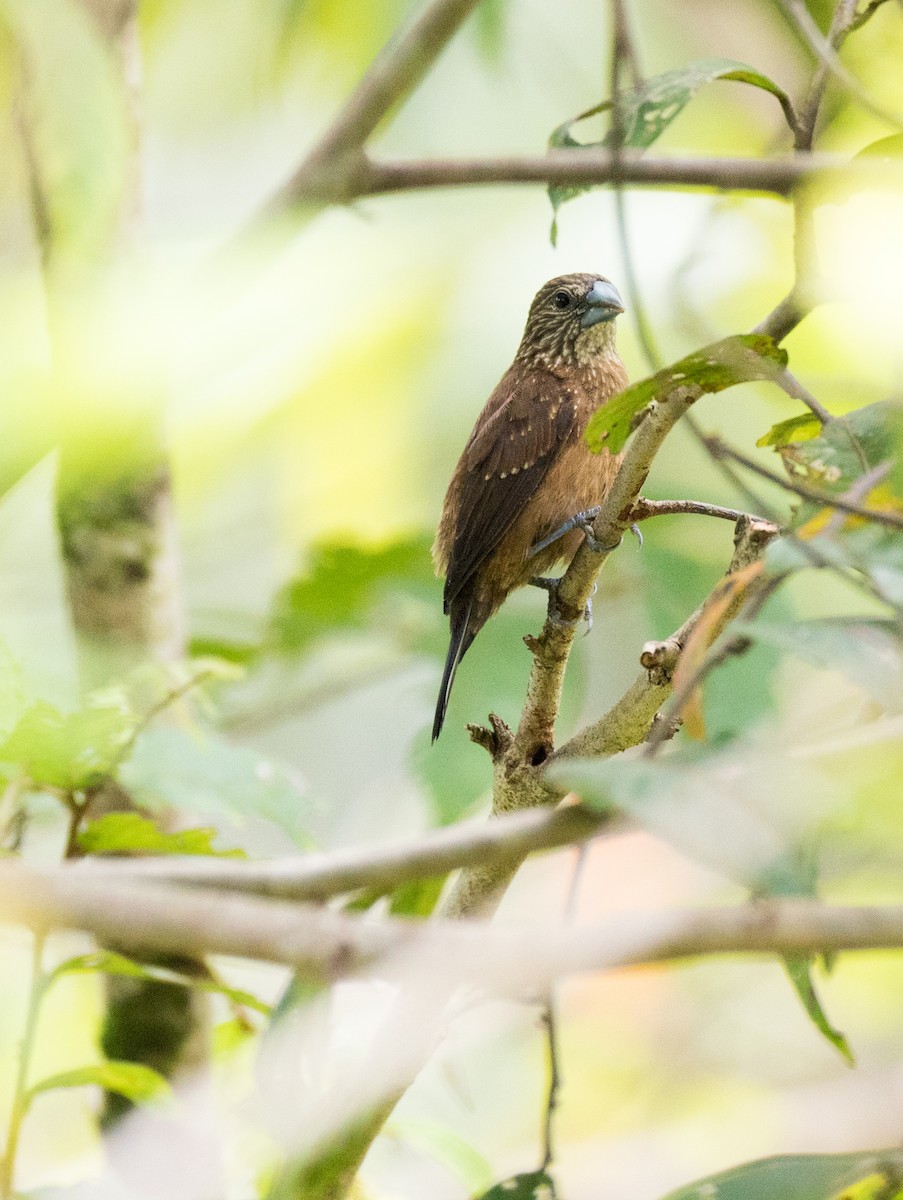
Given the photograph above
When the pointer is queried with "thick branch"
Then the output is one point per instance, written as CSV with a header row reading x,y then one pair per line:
x,y
315,941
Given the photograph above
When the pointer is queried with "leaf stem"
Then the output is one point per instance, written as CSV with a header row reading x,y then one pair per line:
x,y
21,1098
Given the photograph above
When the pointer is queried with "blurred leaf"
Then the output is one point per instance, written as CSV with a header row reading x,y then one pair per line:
x,y
535,1185
723,808
109,963
138,1083
341,587
130,833
201,772
229,1036
646,112
867,651
417,898
726,596
801,1177
75,112
489,27
733,360
71,751
886,148
799,968
795,429
447,1147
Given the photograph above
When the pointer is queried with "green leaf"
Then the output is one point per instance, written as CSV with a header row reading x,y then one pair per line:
x,y
138,1083
342,586
799,968
733,360
647,111
802,1177
109,963
795,429
70,751
535,1185
130,833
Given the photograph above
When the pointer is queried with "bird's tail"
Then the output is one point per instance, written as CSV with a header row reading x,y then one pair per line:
x,y
464,628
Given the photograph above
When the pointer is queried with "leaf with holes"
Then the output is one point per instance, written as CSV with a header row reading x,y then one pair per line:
x,y
795,429
733,360
646,112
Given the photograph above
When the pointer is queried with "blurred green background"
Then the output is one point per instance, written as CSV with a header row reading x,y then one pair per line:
x,y
317,382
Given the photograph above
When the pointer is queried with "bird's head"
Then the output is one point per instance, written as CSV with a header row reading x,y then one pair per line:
x,y
571,320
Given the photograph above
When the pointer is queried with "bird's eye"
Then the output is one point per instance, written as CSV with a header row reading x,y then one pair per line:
x,y
562,299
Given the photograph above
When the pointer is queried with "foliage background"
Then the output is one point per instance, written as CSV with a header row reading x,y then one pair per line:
x,y
316,396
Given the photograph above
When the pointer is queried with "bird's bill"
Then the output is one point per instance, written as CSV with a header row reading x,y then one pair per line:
x,y
604,302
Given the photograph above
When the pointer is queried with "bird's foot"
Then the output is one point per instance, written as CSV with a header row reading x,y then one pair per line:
x,y
637,533
551,586
581,520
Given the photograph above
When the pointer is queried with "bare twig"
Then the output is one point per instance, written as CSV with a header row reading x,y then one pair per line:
x,y
644,509
720,450
393,75
548,1020
780,176
825,49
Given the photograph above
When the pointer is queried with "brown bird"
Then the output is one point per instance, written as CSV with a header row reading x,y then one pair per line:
x,y
517,501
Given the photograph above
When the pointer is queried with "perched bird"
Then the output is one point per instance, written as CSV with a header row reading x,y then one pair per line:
x,y
525,472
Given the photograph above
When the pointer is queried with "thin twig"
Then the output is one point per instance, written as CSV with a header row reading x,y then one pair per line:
x,y
721,450
622,52
643,509
392,76
825,49
554,1087
778,176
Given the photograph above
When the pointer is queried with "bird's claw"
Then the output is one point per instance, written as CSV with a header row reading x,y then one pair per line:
x,y
637,533
554,613
581,520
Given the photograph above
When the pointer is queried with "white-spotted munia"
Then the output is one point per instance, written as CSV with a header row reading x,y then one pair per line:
x,y
526,471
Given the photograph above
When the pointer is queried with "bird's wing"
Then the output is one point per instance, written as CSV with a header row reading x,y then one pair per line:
x,y
528,418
